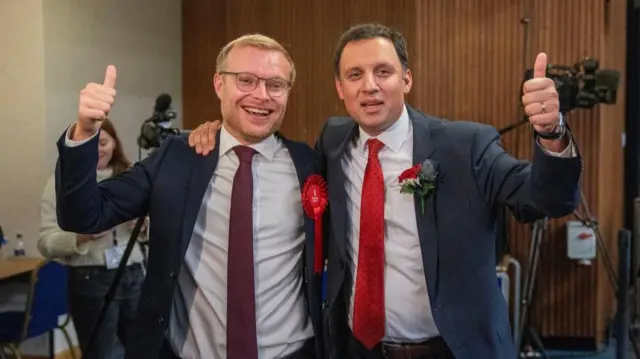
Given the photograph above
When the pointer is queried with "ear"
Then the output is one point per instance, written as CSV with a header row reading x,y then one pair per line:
x,y
339,88
408,81
217,84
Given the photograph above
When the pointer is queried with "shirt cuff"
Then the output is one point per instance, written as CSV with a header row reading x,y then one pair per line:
x,y
71,143
568,152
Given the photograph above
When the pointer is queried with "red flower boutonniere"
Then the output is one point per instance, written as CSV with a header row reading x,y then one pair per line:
x,y
419,180
314,203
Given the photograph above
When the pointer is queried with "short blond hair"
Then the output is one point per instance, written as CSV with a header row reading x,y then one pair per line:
x,y
258,41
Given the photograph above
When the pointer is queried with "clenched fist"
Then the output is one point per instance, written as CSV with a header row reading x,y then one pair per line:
x,y
96,101
540,98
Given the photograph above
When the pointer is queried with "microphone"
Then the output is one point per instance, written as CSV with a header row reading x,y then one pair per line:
x,y
163,103
162,112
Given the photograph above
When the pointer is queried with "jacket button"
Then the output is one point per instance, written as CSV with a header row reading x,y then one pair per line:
x,y
172,275
161,321
325,304
341,263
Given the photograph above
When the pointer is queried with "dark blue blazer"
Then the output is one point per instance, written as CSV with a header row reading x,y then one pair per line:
x,y
457,230
169,185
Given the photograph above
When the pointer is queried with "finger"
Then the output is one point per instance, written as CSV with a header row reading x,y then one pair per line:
x,y
536,108
544,119
213,130
540,66
95,104
110,77
92,114
93,88
102,97
204,137
538,85
539,96
191,137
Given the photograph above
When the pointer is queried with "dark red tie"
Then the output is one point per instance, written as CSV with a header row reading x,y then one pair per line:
x,y
369,310
241,299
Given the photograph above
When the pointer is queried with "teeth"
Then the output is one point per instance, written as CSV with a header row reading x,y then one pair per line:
x,y
256,111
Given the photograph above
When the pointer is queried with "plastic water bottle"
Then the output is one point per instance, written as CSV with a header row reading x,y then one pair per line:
x,y
18,250
3,241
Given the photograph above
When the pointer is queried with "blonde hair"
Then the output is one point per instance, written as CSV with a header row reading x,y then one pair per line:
x,y
258,41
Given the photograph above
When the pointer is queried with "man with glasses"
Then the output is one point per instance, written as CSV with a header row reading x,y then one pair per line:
x,y
229,275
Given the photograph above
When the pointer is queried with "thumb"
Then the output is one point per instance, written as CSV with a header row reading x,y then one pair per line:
x,y
540,66
110,77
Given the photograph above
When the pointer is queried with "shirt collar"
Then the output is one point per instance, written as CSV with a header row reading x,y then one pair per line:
x,y
393,137
267,147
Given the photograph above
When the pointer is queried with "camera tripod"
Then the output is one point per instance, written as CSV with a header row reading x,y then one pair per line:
x,y
535,345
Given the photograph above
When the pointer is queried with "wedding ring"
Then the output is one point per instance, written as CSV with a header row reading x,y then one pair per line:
x,y
544,108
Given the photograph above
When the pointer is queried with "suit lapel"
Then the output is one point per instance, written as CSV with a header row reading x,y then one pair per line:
x,y
424,148
202,171
337,192
304,169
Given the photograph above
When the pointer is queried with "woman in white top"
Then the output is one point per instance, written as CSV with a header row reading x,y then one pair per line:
x,y
93,261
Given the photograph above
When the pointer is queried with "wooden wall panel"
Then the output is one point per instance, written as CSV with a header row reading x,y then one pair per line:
x,y
468,60
309,30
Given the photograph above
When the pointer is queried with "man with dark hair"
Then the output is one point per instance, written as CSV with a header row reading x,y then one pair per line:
x,y
405,278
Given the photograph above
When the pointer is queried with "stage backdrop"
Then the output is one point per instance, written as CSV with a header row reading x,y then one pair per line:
x,y
468,59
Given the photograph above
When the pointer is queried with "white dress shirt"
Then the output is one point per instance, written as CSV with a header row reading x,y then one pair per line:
x,y
197,329
408,309
199,317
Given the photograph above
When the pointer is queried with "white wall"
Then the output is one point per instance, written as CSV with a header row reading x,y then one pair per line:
x,y
50,50
22,124
142,38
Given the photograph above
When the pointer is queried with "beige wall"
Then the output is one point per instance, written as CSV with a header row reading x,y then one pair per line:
x,y
50,50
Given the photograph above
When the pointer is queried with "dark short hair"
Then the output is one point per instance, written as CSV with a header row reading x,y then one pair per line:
x,y
370,31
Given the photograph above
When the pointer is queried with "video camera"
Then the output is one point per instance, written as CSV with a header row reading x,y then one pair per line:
x,y
582,85
156,128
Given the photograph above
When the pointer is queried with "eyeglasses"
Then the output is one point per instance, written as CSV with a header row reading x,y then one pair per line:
x,y
248,82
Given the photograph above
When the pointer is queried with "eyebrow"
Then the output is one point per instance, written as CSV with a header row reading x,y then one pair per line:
x,y
375,66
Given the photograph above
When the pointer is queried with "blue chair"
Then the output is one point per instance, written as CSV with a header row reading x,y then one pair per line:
x,y
46,302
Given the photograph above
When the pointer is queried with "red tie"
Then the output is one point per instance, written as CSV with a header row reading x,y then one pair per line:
x,y
369,310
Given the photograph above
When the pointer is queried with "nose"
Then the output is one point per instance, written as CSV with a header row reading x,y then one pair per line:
x,y
260,91
370,84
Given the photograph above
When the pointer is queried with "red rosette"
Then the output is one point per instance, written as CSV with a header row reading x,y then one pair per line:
x,y
314,202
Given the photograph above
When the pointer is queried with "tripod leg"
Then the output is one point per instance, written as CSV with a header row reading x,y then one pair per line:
x,y
537,343
534,257
634,344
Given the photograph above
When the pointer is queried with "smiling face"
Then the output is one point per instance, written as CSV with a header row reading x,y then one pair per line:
x,y
372,83
253,88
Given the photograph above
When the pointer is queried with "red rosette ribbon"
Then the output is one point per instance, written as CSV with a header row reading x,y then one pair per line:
x,y
314,201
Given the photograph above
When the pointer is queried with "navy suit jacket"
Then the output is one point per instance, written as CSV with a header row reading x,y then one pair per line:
x,y
457,229
169,185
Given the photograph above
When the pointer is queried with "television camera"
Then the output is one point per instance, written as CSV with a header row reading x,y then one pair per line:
x,y
583,85
156,128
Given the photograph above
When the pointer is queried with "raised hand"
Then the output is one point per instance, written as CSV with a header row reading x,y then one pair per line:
x,y
540,98
96,101
203,138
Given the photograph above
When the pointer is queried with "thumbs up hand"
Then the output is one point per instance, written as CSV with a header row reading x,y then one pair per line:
x,y
96,101
540,98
